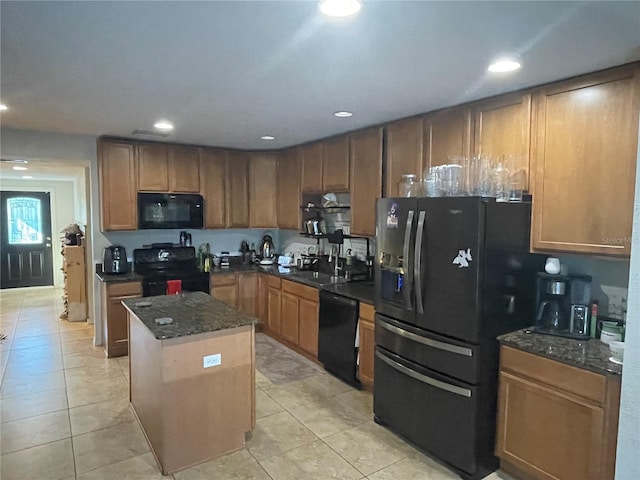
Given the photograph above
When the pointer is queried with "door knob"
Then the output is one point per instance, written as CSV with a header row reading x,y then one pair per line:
x,y
48,245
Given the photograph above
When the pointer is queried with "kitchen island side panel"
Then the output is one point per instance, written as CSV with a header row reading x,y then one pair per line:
x,y
145,382
191,414
206,411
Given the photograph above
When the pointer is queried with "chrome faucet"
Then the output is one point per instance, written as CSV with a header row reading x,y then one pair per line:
x,y
335,254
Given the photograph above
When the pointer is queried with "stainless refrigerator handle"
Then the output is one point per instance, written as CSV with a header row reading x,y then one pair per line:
x,y
467,352
417,260
463,392
405,260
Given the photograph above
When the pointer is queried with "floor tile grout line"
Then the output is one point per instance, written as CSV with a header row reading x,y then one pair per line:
x,y
35,446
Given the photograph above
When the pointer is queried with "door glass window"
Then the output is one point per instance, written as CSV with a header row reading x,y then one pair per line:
x,y
24,220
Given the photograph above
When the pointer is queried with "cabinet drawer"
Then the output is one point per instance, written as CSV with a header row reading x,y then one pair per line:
x,y
273,282
124,289
367,312
300,290
220,279
558,376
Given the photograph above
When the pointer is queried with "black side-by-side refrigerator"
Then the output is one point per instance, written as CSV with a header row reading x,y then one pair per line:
x,y
452,273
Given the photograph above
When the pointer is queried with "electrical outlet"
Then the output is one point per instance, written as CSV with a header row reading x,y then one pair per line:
x,y
212,360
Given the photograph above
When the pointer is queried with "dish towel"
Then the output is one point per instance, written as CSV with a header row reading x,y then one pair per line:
x,y
174,287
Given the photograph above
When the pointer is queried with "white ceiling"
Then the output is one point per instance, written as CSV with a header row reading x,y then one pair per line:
x,y
227,72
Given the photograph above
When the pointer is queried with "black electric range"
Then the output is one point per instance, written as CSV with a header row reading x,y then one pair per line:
x,y
161,262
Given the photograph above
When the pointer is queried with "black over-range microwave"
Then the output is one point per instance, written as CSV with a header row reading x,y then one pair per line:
x,y
170,210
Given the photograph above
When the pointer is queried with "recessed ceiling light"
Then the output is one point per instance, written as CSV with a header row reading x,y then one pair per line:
x,y
339,8
268,137
504,65
343,114
27,177
164,125
3,107
20,168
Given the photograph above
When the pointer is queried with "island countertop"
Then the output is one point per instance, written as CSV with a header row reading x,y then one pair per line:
x,y
590,355
192,313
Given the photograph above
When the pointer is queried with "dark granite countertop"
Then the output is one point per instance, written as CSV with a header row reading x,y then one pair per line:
x,y
130,276
361,291
193,313
590,355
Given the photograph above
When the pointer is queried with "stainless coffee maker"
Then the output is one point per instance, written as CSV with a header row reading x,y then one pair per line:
x,y
563,305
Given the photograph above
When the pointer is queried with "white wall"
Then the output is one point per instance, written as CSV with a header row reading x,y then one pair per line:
x,y
79,150
628,462
62,212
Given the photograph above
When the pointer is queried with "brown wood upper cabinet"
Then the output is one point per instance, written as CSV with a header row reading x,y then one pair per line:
x,y
503,130
168,168
404,152
366,180
212,186
447,132
237,190
585,163
311,174
288,182
153,167
263,174
118,190
184,169
335,164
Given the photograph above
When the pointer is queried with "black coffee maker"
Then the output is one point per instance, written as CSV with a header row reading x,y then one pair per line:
x,y
562,305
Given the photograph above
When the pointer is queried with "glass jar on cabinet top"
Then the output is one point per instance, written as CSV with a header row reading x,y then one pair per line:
x,y
409,186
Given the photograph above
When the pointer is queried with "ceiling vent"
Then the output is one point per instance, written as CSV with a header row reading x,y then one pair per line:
x,y
149,133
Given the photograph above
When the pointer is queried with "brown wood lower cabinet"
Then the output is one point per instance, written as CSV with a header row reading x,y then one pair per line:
x,y
273,305
225,288
236,289
289,317
308,315
555,421
247,293
262,301
300,306
114,316
367,344
292,314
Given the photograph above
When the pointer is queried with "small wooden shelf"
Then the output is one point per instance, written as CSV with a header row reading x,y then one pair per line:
x,y
75,291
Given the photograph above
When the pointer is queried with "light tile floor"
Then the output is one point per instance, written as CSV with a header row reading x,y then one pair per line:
x,y
65,415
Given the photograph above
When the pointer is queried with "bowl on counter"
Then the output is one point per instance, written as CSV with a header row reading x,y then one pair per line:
x,y
617,351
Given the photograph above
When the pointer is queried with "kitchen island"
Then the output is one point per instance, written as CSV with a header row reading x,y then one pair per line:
x,y
192,381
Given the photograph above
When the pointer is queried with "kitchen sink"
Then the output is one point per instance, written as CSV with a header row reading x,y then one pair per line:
x,y
317,278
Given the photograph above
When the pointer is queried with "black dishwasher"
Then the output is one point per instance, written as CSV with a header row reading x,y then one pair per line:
x,y
337,349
